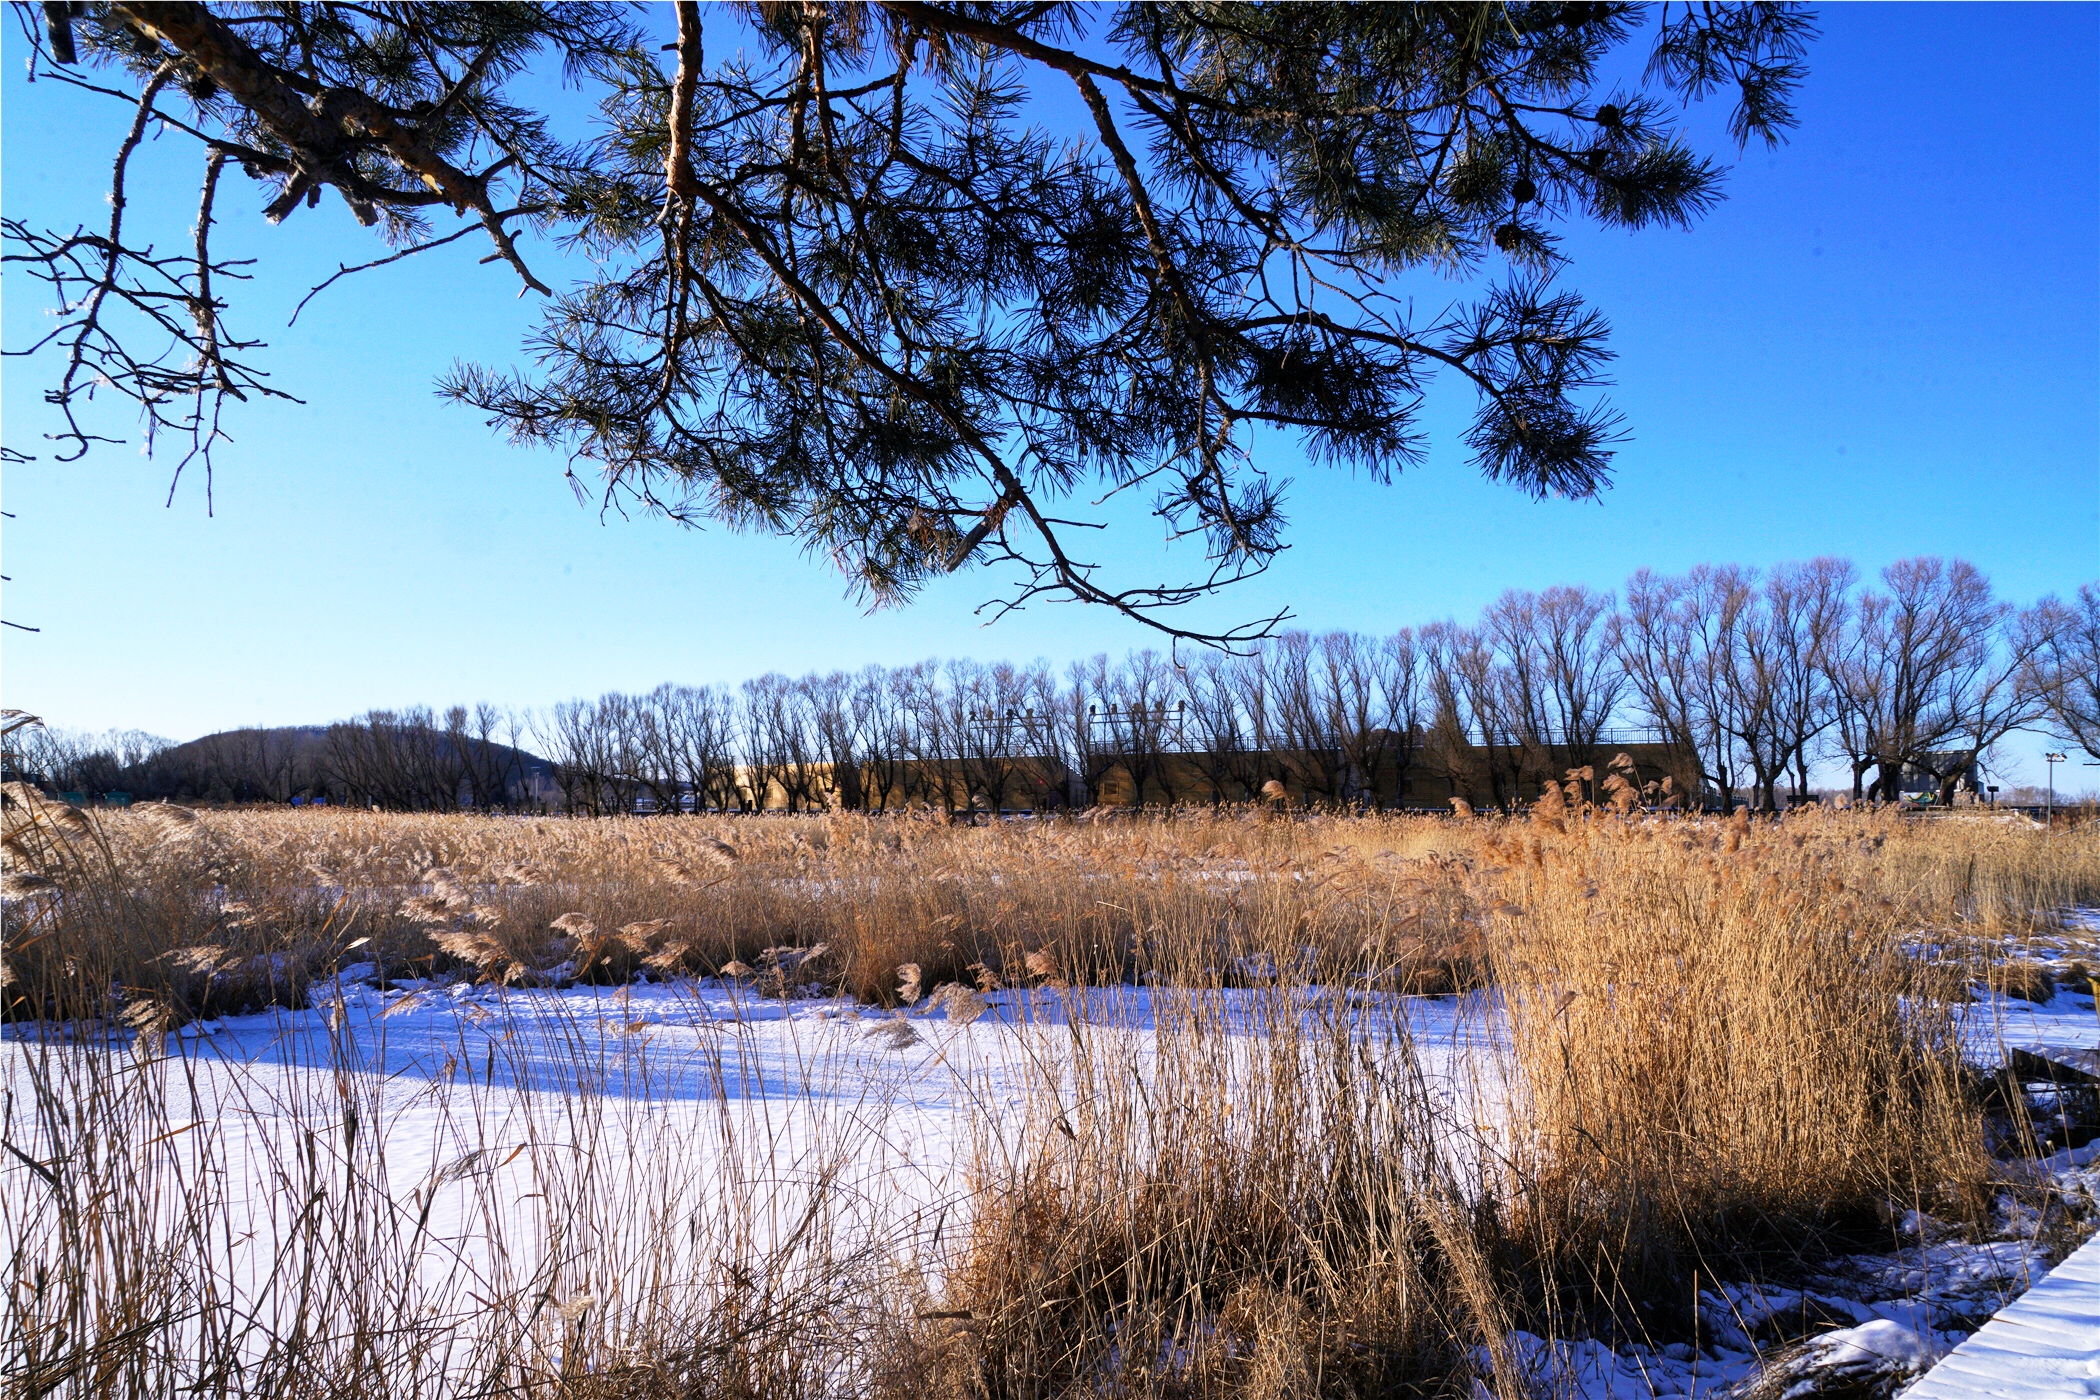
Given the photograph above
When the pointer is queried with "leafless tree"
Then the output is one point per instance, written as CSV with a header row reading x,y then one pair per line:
x,y
1048,754
1510,626
1217,738
1655,653
1674,640
1261,703
1468,696
1989,694
1092,745
838,719
986,711
1582,680
494,769
705,730
933,776
1555,679
654,746
1715,600
1405,705
1809,605
887,697
582,754
1143,725
1356,686
50,756
2065,672
1746,665
92,764
1742,676
402,760
1921,677
1447,728
929,748
758,758
129,759
1305,713
779,749
636,768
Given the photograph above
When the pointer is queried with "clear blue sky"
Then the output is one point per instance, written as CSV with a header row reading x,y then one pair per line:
x,y
1883,343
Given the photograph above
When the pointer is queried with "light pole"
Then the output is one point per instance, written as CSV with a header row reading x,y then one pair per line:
x,y
2052,759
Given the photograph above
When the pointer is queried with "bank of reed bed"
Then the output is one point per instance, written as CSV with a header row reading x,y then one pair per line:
x,y
250,901
1714,1050
1271,1201
241,908
1726,1057
160,916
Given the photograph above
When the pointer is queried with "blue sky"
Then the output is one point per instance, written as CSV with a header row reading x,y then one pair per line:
x,y
1882,344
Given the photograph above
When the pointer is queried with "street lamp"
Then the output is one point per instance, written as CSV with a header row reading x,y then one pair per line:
x,y
2052,759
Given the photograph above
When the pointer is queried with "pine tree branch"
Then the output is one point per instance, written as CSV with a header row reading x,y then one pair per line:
x,y
323,135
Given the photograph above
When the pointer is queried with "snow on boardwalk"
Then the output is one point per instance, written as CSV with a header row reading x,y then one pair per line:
x,y
2044,1345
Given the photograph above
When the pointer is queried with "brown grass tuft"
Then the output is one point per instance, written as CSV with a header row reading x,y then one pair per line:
x,y
2025,979
1719,1059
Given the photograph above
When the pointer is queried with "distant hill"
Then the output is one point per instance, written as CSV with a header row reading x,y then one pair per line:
x,y
397,765
296,738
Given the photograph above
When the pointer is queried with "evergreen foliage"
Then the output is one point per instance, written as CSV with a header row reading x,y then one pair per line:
x,y
848,283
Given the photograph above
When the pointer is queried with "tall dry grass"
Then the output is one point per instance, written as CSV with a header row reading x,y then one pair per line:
x,y
1729,1050
423,895
1995,875
160,916
1725,1058
167,1235
1708,1049
1266,1198
260,899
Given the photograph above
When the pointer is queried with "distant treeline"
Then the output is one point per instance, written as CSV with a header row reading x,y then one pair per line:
x,y
1738,681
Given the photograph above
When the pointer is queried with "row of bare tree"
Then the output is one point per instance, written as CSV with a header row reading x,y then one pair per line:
x,y
1748,680
1320,714
77,761
1759,676
1744,680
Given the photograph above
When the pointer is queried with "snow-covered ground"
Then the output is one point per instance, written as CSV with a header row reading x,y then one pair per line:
x,y
465,1101
889,1109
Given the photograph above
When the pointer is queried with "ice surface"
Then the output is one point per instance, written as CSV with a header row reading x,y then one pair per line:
x,y
709,1088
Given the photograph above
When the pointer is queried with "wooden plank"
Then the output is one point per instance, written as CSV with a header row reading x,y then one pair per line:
x,y
2044,1345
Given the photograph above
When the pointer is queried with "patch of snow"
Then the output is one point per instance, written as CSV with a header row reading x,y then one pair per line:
x,y
1880,1345
1595,1370
2063,1029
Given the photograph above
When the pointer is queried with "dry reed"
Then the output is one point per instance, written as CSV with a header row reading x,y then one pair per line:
x,y
1727,1045
1729,1049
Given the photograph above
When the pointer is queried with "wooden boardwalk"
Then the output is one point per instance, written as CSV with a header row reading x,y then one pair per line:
x,y
2043,1346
